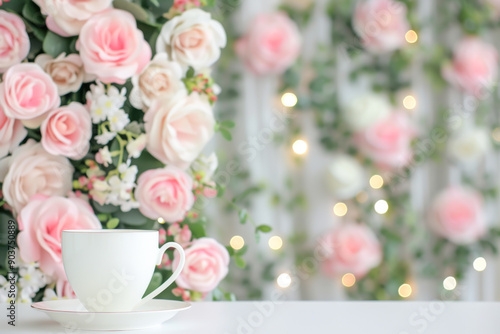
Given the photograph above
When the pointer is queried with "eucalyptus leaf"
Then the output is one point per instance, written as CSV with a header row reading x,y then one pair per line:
x,y
54,44
112,223
264,228
139,13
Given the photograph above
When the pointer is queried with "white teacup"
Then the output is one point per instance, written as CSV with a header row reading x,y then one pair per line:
x,y
110,270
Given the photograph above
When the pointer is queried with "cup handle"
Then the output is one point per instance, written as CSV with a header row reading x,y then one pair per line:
x,y
172,278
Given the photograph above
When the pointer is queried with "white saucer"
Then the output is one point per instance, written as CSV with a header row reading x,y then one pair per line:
x,y
71,314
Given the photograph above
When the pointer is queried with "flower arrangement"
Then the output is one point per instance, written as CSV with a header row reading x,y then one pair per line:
x,y
105,109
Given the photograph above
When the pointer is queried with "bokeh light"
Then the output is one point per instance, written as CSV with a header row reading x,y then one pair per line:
x,y
237,242
275,242
381,206
410,102
450,283
299,146
289,99
411,36
376,181
161,220
340,209
479,264
348,280
405,290
284,280
362,197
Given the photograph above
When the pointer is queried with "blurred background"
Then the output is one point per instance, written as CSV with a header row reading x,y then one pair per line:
x,y
367,136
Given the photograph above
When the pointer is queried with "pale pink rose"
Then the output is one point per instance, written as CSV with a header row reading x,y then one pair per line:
x,y
381,24
388,141
350,248
67,17
474,67
165,193
66,71
192,39
12,132
178,128
161,78
206,265
457,214
14,40
63,289
67,131
112,48
41,222
271,45
27,93
31,170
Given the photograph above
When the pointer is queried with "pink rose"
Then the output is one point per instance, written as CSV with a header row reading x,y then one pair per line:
x,y
387,141
457,214
66,71
14,40
206,265
112,48
381,24
474,67
67,131
351,248
31,170
41,222
271,45
165,192
178,128
67,17
192,39
181,235
12,133
27,93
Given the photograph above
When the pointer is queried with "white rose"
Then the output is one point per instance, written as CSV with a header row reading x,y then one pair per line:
x,y
345,177
362,112
31,170
160,78
469,144
192,39
66,71
206,166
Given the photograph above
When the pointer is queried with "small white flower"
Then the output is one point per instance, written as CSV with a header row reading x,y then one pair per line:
x,y
105,156
31,277
101,186
135,147
105,138
129,176
118,120
205,166
26,294
49,294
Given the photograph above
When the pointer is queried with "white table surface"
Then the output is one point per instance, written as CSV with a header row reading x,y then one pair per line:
x,y
303,317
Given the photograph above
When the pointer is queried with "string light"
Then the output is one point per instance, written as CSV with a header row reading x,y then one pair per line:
x,y
376,181
340,209
479,264
299,147
289,100
381,206
450,283
284,280
237,242
275,242
411,36
405,290
362,197
410,102
348,280
496,134
161,220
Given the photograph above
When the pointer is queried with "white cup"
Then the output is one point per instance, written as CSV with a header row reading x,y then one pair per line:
x,y
110,270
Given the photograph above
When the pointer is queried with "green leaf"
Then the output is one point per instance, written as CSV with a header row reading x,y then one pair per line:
x,y
112,223
243,216
106,208
133,217
198,230
264,228
32,13
139,13
147,162
230,250
103,217
190,72
54,44
226,134
240,262
227,124
156,281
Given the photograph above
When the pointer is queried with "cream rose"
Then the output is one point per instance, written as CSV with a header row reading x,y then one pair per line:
x,y
67,131
67,17
165,193
66,71
361,112
27,93
161,78
469,145
31,170
179,128
12,132
345,177
206,265
14,40
192,39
